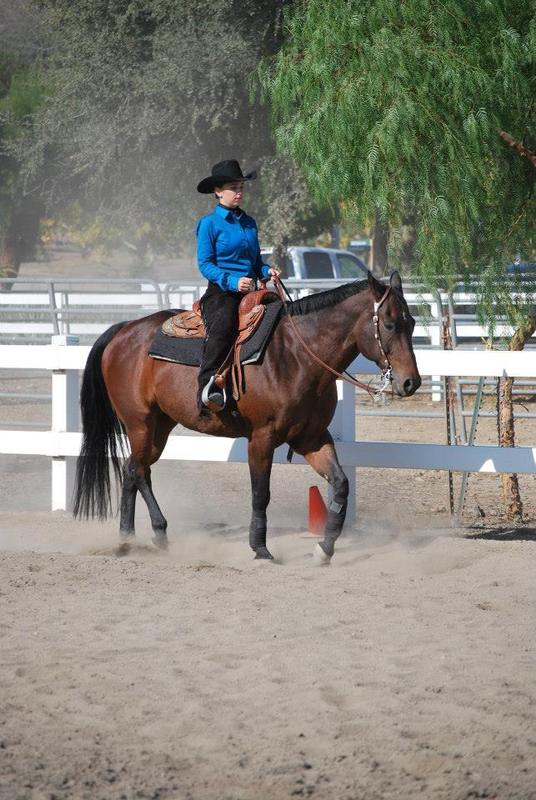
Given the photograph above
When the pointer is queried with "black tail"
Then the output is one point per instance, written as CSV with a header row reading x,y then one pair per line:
x,y
101,428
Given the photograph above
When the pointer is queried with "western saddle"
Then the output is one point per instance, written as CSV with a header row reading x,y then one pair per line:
x,y
190,325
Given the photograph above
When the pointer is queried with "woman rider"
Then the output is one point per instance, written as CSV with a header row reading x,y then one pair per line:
x,y
229,257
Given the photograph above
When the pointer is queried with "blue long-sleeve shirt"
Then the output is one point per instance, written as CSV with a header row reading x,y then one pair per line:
x,y
228,248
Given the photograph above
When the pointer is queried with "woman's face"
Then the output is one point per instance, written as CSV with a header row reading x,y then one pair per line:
x,y
230,194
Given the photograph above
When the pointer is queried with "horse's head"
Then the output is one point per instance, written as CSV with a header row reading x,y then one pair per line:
x,y
385,333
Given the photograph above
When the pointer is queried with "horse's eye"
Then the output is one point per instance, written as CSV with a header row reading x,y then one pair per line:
x,y
389,324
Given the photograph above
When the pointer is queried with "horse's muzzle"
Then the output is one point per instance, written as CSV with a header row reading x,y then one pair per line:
x,y
407,387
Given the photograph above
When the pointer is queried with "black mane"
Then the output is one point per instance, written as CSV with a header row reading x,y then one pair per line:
x,y
315,302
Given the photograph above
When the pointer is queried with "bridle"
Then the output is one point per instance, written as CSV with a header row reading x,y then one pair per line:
x,y
387,370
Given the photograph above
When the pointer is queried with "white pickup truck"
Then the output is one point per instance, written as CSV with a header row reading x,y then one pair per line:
x,y
308,263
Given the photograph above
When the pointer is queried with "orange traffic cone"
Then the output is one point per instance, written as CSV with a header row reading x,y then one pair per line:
x,y
318,512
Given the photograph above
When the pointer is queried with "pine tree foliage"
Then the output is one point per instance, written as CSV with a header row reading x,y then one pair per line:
x,y
394,107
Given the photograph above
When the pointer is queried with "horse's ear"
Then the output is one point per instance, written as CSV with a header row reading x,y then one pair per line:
x,y
396,280
375,286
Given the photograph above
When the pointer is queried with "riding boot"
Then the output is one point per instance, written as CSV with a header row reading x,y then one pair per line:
x,y
220,315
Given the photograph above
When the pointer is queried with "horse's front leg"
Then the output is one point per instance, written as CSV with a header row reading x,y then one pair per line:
x,y
323,459
260,457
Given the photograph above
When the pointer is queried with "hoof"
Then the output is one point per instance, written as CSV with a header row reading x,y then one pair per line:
x,y
126,536
263,552
320,556
161,541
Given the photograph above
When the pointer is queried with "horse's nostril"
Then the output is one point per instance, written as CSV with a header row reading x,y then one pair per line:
x,y
411,385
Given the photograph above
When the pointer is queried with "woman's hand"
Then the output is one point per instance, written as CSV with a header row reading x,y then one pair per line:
x,y
245,285
274,272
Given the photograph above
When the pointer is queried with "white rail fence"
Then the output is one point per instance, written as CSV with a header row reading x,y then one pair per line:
x,y
86,307
64,359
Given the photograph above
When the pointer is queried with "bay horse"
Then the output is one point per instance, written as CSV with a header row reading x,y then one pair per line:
x,y
290,398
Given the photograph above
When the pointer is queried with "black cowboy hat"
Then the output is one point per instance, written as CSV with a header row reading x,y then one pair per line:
x,y
224,172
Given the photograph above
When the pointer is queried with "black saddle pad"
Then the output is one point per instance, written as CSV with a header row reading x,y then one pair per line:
x,y
189,351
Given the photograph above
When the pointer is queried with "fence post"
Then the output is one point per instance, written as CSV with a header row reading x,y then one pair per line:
x,y
64,418
435,341
342,429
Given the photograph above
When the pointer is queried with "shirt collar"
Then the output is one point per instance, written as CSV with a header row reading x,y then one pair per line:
x,y
228,213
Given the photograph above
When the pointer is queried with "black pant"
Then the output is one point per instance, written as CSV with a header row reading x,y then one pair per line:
x,y
220,315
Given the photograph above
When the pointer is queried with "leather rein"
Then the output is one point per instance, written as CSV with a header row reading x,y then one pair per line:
x,y
387,370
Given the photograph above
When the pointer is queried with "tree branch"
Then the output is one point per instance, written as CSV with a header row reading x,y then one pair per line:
x,y
521,149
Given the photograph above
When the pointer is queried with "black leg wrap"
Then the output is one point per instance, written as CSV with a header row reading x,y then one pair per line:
x,y
327,545
128,500
334,524
257,532
260,497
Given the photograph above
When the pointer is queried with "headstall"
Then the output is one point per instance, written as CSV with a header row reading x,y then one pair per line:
x,y
387,370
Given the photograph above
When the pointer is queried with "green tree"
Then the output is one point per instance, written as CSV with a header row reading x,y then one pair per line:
x,y
394,109
146,97
21,94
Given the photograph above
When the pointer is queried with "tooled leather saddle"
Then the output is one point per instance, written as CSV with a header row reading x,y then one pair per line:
x,y
190,325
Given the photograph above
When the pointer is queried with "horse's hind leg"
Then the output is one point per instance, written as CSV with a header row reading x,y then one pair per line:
x,y
147,441
128,499
323,459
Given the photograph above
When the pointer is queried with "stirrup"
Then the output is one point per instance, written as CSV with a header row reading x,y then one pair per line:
x,y
213,397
